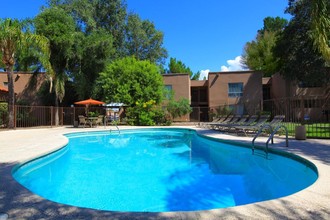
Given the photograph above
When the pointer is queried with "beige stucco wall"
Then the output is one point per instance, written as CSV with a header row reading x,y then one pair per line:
x,y
281,88
26,85
218,87
181,86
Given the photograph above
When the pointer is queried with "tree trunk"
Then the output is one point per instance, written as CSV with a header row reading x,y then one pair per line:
x,y
57,121
11,99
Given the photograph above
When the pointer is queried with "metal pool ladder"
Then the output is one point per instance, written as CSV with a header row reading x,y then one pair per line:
x,y
116,127
271,136
115,124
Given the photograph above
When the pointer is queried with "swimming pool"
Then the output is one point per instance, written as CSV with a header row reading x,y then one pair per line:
x,y
159,170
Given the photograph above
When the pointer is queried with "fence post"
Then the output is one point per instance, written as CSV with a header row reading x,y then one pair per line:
x,y
302,109
51,116
15,118
74,115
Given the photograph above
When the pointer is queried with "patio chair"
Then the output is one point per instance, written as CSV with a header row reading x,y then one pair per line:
x,y
82,120
277,120
216,120
98,121
252,127
250,121
234,119
240,121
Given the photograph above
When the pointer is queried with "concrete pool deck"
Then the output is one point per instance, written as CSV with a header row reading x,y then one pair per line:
x,y
17,146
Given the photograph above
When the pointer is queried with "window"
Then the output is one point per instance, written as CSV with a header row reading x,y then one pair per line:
x,y
168,91
168,87
235,90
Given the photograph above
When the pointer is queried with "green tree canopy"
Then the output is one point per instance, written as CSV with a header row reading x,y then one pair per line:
x,y
272,24
93,51
143,40
298,59
106,33
55,24
130,35
177,66
317,12
129,80
258,54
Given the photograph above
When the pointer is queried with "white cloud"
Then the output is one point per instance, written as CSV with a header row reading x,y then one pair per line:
x,y
233,65
204,74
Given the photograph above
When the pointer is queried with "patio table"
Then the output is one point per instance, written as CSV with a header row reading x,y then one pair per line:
x,y
92,121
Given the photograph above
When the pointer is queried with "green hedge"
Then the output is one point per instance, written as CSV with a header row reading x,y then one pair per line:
x,y
3,113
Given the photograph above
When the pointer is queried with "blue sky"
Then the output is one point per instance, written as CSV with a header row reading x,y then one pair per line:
x,y
203,34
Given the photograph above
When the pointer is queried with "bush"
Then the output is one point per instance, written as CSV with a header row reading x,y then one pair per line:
x,y
146,114
223,110
179,108
3,113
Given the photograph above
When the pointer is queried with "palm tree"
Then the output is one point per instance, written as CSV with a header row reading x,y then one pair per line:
x,y
320,27
12,41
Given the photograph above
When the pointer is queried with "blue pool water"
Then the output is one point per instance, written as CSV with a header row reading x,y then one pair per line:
x,y
159,170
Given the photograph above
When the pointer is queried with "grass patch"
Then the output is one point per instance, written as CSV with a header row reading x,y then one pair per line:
x,y
313,130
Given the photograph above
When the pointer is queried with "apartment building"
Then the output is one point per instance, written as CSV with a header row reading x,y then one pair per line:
x,y
242,89
26,86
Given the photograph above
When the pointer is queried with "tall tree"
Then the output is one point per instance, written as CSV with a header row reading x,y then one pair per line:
x,y
258,54
93,51
273,24
177,66
298,59
320,16
143,40
91,15
129,80
55,24
112,16
12,41
97,21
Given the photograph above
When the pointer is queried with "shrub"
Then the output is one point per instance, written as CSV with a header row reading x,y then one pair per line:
x,y
178,108
146,114
3,113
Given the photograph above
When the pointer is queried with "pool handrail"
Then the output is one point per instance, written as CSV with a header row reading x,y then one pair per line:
x,y
259,132
271,137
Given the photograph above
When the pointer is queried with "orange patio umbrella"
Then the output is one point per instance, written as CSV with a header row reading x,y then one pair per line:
x,y
89,101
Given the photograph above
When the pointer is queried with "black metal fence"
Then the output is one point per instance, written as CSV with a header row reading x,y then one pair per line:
x,y
46,116
313,112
